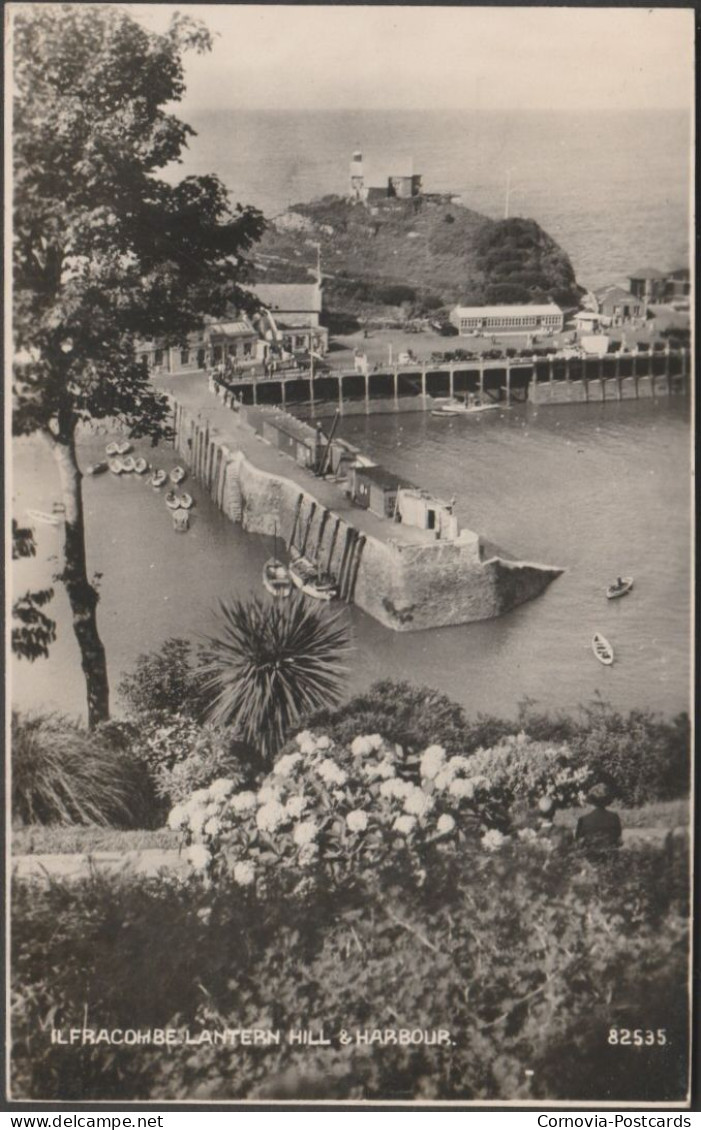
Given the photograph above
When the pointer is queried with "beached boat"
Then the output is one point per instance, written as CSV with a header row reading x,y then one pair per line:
x,y
124,448
460,408
181,521
112,448
115,465
96,468
172,500
140,465
177,475
45,519
128,464
307,576
622,586
186,501
158,478
602,649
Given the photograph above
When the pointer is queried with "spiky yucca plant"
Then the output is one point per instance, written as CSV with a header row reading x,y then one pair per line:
x,y
269,664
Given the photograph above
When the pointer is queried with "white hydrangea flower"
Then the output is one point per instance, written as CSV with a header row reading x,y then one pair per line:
x,y
307,746
200,796
244,802
324,742
385,769
445,824
286,764
269,793
417,803
459,764
198,856
305,832
528,835
221,788
244,873
357,820
303,737
178,817
461,789
198,818
432,760
271,816
296,806
361,747
331,773
493,840
397,788
376,741
404,824
212,827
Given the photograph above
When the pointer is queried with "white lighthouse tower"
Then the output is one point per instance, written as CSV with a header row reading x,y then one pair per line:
x,y
357,180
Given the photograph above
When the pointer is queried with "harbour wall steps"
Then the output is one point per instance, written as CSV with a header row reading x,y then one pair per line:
x,y
405,586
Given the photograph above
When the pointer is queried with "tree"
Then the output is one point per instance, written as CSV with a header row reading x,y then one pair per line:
x,y
105,252
271,664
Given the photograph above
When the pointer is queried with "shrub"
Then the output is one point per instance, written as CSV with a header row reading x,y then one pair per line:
x,y
62,774
164,681
524,769
526,965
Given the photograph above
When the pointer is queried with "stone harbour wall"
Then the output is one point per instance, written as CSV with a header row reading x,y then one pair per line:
x,y
404,587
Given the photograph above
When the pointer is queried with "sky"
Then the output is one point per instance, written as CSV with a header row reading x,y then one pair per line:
x,y
472,58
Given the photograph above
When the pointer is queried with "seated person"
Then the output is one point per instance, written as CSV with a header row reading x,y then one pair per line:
x,y
599,829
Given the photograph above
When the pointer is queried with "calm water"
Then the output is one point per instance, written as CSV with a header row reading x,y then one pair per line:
x,y
611,187
598,490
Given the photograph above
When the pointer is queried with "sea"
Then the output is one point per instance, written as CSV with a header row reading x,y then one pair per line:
x,y
599,490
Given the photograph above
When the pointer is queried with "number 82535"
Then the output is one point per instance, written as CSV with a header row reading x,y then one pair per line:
x,y
637,1037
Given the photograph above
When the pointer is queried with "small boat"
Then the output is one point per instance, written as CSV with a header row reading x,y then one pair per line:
x,y
45,519
602,649
460,408
177,475
129,464
112,448
187,501
158,478
622,586
96,468
311,580
276,575
140,465
116,466
172,500
124,448
181,521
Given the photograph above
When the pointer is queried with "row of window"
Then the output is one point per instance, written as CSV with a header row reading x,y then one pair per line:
x,y
530,321
218,351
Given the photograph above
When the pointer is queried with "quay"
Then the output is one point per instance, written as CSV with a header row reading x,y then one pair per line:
x,y
406,577
556,379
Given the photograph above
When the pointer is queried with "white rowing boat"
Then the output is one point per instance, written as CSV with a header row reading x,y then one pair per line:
x,y
602,649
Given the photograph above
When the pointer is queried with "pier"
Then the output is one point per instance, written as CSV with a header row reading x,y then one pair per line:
x,y
652,375
406,577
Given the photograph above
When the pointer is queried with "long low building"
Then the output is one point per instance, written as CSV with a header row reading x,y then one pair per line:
x,y
508,319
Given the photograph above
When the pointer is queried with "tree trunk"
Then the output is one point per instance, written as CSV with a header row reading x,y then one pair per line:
x,y
82,595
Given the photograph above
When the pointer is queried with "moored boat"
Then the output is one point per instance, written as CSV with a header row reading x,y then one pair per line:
x,y
112,448
276,578
311,580
124,448
602,649
460,408
128,464
140,465
186,501
177,475
181,521
621,586
115,465
96,468
158,478
172,500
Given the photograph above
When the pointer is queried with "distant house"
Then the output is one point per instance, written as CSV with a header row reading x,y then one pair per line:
x,y
616,305
301,442
376,489
294,313
507,319
234,344
189,358
648,284
419,508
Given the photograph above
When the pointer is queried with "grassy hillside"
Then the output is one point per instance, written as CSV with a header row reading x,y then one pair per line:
x,y
415,256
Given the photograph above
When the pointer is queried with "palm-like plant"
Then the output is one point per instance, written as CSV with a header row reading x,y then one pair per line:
x,y
271,663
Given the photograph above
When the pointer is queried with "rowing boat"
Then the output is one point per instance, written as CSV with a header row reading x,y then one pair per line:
x,y
619,589
602,649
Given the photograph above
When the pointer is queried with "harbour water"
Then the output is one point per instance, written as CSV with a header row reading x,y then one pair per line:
x,y
599,489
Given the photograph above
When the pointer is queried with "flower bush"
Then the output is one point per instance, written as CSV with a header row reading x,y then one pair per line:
x,y
526,770
342,808
183,755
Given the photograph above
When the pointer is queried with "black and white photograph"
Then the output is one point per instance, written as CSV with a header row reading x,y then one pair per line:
x,y
349,513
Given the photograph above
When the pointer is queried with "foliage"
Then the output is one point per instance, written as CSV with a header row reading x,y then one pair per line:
x,y
32,631
164,681
527,770
62,774
104,252
270,664
525,961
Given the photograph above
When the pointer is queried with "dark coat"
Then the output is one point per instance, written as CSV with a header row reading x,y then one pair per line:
x,y
599,829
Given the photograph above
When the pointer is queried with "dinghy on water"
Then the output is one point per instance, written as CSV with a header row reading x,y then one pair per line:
x,y
186,501
158,478
112,448
140,465
172,500
276,576
177,475
129,464
621,586
602,649
124,448
116,466
181,521
307,576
